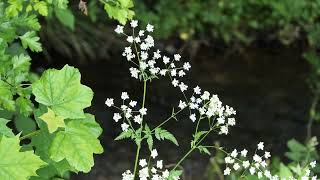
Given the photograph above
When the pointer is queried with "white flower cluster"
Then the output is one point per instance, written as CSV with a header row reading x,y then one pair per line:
x,y
147,65
238,161
129,111
157,172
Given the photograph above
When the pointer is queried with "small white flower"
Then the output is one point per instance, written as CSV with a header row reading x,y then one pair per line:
x,y
252,170
130,39
163,72
186,66
205,95
134,23
177,57
124,96
143,111
165,174
244,153
109,102
160,164
313,164
149,28
137,119
183,87
175,83
137,39
144,55
134,72
173,72
143,162
231,121
116,117
154,153
165,59
234,153
197,90
260,146
193,117
257,158
156,55
124,127
181,73
246,164
141,33
133,103
267,155
224,130
227,171
228,160
119,29
182,104
236,166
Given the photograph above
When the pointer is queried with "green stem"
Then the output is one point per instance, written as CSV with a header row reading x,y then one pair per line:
x,y
139,146
30,135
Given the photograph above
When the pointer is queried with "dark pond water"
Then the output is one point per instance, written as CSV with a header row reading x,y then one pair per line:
x,y
266,87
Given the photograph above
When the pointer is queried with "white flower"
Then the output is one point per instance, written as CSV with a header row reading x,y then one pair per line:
x,y
186,66
156,55
119,29
116,117
181,73
134,72
236,166
313,164
173,72
220,120
224,130
267,155
165,59
124,127
154,153
244,153
177,57
134,23
143,162
137,39
144,55
205,95
143,65
165,174
245,164
149,28
124,96
175,83
228,160
252,170
137,119
257,158
133,103
231,121
127,175
109,102
183,87
159,164
143,111
260,146
227,171
197,90
193,117
234,153
130,39
163,72
182,104
141,33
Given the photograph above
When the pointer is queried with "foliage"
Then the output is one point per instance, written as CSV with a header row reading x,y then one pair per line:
x,y
48,110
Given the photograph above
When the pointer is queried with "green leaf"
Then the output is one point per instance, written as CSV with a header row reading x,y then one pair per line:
x,y
24,105
124,135
62,91
6,96
31,40
174,174
24,124
122,14
4,130
41,7
53,121
203,149
284,172
62,4
14,164
66,17
76,144
162,134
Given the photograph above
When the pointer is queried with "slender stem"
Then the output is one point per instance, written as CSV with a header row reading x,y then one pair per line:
x,y
139,145
30,135
169,118
312,116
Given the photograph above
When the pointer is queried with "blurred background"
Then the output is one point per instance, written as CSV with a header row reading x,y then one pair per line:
x,y
260,57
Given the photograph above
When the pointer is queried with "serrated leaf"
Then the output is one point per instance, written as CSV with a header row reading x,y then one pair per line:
x,y
162,134
66,17
41,7
15,164
76,144
6,96
121,14
204,150
31,40
174,174
198,135
150,142
62,91
53,121
4,130
124,135
24,105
